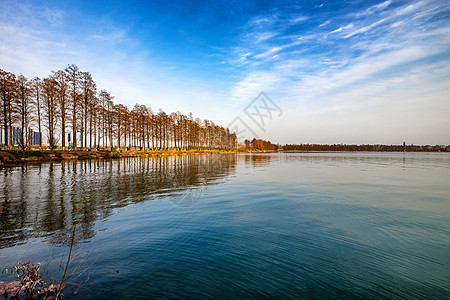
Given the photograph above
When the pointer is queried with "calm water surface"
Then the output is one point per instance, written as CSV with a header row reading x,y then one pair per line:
x,y
299,226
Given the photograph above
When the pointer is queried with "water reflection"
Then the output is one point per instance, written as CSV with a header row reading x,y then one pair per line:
x,y
375,159
43,200
287,226
257,160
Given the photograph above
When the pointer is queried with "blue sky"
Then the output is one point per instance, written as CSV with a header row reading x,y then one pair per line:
x,y
341,71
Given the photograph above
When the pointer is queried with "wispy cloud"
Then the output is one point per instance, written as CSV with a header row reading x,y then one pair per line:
x,y
393,17
375,8
365,29
276,49
252,84
260,36
325,23
268,52
334,71
299,19
408,9
245,55
361,70
342,28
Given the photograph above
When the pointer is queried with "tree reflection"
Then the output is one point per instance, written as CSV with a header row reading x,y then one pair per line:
x,y
257,160
46,200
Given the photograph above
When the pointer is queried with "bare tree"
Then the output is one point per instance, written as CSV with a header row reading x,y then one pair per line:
x,y
62,81
50,88
7,83
73,75
106,101
24,110
93,120
89,89
121,113
36,89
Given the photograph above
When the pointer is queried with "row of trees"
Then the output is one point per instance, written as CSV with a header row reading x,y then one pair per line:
x,y
67,111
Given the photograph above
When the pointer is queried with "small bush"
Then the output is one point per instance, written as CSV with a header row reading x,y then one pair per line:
x,y
114,154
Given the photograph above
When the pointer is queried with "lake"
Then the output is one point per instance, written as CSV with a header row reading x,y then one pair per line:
x,y
280,225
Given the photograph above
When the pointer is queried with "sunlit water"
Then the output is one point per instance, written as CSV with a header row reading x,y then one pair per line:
x,y
354,225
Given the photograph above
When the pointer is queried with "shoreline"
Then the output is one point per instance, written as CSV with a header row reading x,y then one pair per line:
x,y
13,158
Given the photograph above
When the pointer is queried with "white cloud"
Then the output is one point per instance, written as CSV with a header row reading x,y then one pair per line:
x,y
365,29
252,84
325,23
276,49
264,20
259,37
376,8
268,52
362,69
299,19
342,28
406,10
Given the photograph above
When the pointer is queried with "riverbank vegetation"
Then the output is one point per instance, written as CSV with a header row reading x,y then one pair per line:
x,y
17,157
66,111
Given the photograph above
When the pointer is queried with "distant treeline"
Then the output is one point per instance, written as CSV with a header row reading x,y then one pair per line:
x,y
65,110
344,147
263,145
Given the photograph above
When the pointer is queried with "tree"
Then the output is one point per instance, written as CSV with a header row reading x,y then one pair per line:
x,y
36,88
24,110
107,116
247,144
7,83
141,119
61,79
73,75
50,88
93,120
121,113
89,89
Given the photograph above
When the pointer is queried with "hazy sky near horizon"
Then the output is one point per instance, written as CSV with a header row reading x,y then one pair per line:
x,y
340,71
